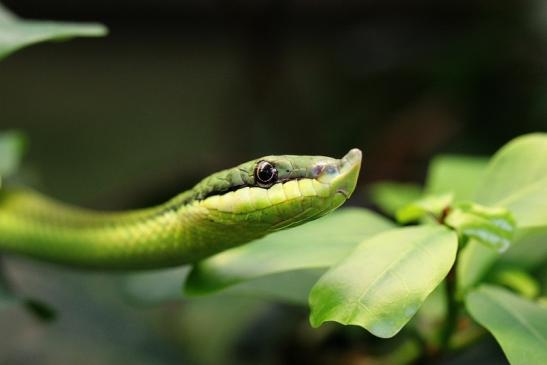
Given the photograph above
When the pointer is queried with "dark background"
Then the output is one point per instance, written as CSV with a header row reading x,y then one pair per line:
x,y
182,89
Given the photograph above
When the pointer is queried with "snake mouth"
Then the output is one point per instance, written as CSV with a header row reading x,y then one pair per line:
x,y
343,193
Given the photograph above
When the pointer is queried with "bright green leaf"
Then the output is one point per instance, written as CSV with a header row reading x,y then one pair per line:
x,y
318,244
390,196
519,326
455,174
16,33
492,226
516,179
382,284
430,205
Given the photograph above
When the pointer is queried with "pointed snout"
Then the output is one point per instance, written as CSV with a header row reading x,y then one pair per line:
x,y
348,167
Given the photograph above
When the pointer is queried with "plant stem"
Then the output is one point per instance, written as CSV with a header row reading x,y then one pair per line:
x,y
452,309
452,303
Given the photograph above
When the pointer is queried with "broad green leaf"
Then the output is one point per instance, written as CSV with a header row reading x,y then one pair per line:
x,y
390,196
12,145
292,287
492,226
385,280
516,179
429,205
455,174
529,251
16,33
519,326
156,287
317,244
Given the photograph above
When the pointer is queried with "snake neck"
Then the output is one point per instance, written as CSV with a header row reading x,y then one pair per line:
x,y
177,232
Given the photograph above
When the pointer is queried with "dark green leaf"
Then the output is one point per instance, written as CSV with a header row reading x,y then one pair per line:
x,y
519,325
40,309
318,244
382,284
12,145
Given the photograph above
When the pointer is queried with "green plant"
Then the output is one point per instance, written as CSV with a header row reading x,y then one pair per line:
x,y
481,238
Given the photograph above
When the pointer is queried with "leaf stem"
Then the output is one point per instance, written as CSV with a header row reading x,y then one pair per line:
x,y
452,309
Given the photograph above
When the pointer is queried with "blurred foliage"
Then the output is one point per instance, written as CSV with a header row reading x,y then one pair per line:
x,y
12,146
16,33
182,89
516,323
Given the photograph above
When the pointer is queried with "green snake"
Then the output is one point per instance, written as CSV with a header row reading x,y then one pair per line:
x,y
226,209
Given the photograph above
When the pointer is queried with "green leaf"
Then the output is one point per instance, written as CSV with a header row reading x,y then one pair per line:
x,y
430,205
519,326
151,287
455,174
382,284
492,226
516,179
16,33
518,280
529,250
12,145
317,244
156,287
390,196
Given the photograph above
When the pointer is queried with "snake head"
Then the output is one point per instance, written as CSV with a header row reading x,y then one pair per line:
x,y
276,192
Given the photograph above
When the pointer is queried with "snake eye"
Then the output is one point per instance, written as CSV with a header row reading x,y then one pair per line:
x,y
265,173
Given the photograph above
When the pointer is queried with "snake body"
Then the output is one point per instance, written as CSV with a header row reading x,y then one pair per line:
x,y
226,209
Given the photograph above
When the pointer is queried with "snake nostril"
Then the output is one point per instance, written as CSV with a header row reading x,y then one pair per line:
x,y
331,170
